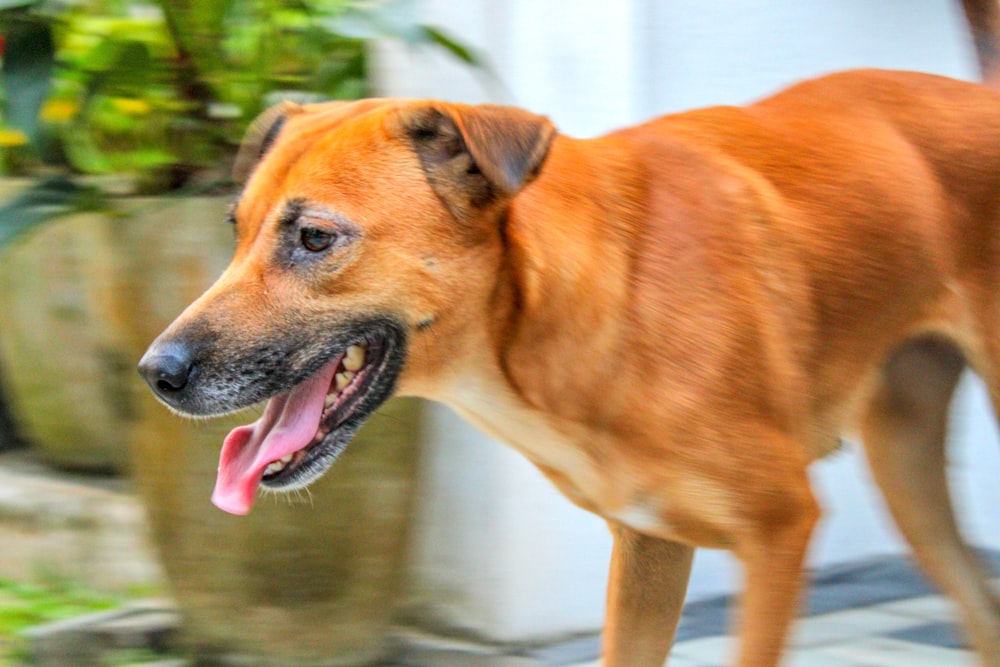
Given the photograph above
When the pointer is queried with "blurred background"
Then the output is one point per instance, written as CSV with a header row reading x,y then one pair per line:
x,y
118,123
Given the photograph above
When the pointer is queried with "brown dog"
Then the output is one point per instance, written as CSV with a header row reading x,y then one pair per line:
x,y
672,321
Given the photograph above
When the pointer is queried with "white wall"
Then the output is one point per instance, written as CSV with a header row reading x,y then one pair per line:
x,y
500,553
735,50
497,553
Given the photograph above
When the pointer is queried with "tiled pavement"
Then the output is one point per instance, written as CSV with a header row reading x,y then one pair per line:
x,y
876,614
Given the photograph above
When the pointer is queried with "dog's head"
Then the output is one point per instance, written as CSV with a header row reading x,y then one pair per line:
x,y
368,239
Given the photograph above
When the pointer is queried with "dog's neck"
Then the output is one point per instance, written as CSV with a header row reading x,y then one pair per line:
x,y
557,284
568,255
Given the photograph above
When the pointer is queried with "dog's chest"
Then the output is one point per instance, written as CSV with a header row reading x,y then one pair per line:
x,y
554,447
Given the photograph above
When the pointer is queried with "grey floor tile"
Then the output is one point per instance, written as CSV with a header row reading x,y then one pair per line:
x,y
866,583
816,658
716,650
847,625
945,635
885,652
685,662
568,653
926,607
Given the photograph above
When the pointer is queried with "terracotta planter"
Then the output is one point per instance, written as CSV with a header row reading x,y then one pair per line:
x,y
307,581
63,364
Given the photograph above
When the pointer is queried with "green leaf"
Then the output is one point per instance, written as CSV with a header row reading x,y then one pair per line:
x,y
149,158
395,19
463,53
44,201
14,4
198,28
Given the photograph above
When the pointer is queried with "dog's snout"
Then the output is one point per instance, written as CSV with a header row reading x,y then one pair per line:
x,y
167,368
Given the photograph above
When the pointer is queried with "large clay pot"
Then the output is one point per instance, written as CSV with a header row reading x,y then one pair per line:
x,y
311,580
61,354
306,581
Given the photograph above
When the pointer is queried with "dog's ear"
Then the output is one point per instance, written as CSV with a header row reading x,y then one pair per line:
x,y
259,138
475,156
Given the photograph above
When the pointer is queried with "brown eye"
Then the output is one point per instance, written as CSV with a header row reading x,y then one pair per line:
x,y
316,240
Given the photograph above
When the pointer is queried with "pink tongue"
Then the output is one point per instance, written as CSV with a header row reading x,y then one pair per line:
x,y
289,423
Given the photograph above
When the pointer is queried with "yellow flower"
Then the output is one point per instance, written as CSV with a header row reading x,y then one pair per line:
x,y
12,138
131,106
59,110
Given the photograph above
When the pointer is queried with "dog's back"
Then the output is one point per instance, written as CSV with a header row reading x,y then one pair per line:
x,y
861,208
854,221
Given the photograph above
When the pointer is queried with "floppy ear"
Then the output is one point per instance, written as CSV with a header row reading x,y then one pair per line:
x,y
475,156
259,138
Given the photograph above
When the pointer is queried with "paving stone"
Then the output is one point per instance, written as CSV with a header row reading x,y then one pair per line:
x,y
569,652
892,623
78,642
145,629
67,643
75,527
814,658
417,649
944,635
885,652
926,607
716,650
863,584
846,625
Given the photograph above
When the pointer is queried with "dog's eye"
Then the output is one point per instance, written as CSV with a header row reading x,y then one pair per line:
x,y
316,240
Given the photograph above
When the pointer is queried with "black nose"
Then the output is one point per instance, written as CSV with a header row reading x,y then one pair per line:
x,y
167,367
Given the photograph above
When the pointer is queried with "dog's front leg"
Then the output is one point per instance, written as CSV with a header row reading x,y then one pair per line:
x,y
772,548
646,590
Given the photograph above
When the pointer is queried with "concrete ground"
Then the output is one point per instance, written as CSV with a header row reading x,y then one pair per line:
x,y
879,613
916,632
874,614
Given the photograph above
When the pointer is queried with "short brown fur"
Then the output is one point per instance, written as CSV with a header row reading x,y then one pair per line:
x,y
672,321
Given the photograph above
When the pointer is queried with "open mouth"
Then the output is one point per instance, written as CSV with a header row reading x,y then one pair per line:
x,y
304,430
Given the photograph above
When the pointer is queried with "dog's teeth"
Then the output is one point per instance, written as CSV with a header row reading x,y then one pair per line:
x,y
279,465
330,400
342,380
355,358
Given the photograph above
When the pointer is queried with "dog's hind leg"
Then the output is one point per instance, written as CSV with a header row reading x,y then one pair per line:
x,y
904,430
645,595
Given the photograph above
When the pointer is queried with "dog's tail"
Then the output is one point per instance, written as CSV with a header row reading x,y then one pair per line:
x,y
984,23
